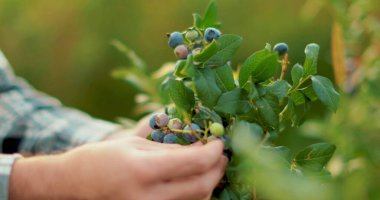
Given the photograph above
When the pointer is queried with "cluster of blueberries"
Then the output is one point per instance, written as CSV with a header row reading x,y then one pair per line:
x,y
167,129
191,41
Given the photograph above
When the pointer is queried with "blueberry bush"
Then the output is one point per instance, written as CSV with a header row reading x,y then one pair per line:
x,y
206,99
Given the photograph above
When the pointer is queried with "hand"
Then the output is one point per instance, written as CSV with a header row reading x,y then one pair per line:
x,y
133,168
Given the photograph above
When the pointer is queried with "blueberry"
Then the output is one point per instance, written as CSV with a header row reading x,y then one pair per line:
x,y
190,137
211,34
281,48
170,138
175,124
217,129
191,35
181,51
198,43
171,110
162,120
193,127
158,136
175,39
152,122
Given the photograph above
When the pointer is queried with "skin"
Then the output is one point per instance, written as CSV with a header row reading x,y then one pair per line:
x,y
125,166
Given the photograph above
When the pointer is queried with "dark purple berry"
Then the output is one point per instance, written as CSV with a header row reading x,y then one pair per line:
x,y
158,136
281,48
170,138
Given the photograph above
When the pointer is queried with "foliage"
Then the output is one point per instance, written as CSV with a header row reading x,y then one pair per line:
x,y
253,109
355,44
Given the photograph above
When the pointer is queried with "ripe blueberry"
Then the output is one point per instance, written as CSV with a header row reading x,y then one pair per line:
x,y
175,39
158,136
191,35
281,48
162,120
181,51
217,129
190,137
175,124
211,34
152,122
170,138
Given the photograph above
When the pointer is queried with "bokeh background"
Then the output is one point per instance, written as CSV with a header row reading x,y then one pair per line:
x,y
63,47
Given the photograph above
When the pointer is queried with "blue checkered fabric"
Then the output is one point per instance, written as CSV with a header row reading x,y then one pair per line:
x,y
34,123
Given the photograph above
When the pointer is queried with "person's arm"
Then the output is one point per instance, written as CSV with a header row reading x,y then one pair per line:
x,y
133,168
31,123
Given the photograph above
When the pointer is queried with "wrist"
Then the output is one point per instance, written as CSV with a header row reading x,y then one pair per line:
x,y
37,178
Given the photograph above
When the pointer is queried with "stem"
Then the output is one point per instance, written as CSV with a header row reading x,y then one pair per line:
x,y
284,66
190,132
299,84
283,111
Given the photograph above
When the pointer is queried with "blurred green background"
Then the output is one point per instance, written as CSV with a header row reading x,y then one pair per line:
x,y
62,47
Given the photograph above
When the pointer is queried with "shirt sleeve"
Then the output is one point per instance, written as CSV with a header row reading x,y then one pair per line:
x,y
6,164
32,122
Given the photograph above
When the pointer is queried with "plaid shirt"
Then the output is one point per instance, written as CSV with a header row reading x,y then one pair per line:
x,y
33,123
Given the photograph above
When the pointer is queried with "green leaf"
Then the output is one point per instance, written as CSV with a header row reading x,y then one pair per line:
x,y
269,109
245,134
210,18
225,78
315,157
179,66
227,47
182,96
233,102
297,73
228,195
149,137
279,88
184,69
197,20
261,65
310,93
297,98
252,89
207,52
205,86
281,151
311,60
326,92
206,114
252,128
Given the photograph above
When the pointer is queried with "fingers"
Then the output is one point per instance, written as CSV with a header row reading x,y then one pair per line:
x,y
195,187
188,161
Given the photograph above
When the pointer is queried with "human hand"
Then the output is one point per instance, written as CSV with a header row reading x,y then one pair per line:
x,y
133,168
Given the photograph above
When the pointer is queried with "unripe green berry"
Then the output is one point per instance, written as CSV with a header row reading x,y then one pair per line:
x,y
175,124
191,35
172,110
217,129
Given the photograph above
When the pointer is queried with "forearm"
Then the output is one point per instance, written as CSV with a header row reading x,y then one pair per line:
x,y
39,178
